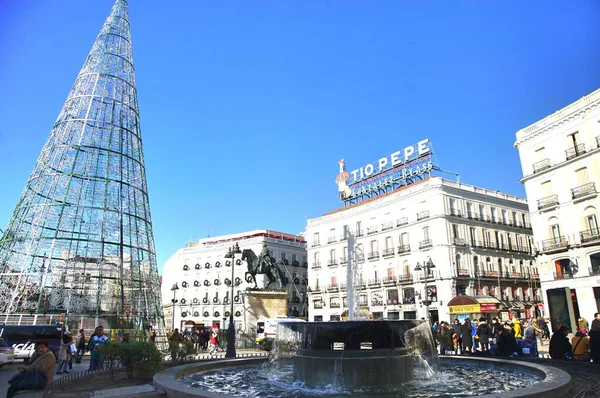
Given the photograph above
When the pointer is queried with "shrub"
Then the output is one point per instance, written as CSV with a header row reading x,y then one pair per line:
x,y
141,359
186,350
266,344
111,355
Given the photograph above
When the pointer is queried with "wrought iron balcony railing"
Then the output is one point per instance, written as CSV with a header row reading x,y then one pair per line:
x,y
541,165
402,221
459,242
388,252
316,243
389,280
403,249
316,265
577,150
387,226
332,263
372,255
456,212
557,243
405,278
472,215
372,230
425,243
422,215
374,282
331,239
591,235
343,260
359,233
584,190
547,202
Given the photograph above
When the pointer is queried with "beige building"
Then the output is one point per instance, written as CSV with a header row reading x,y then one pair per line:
x,y
560,158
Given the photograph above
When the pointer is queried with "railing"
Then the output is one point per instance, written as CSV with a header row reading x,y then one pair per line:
x,y
583,190
332,263
388,252
331,239
472,215
360,233
563,276
316,243
459,242
402,221
422,215
577,150
343,260
387,226
344,236
389,280
462,272
374,282
372,230
456,212
373,255
316,265
332,287
541,165
359,257
403,249
405,278
425,243
557,243
548,201
591,235
598,141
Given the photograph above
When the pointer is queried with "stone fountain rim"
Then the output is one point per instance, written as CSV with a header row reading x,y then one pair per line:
x,y
555,381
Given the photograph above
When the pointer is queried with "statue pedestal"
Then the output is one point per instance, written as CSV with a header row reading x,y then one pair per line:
x,y
264,304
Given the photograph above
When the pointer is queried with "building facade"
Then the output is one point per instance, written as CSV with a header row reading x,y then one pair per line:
x,y
561,172
479,241
203,278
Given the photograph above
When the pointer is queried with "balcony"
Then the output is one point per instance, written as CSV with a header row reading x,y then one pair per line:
x,y
332,263
548,203
331,239
471,215
425,244
372,230
343,260
373,255
577,150
402,249
344,236
315,244
360,233
334,305
388,252
591,235
541,166
387,226
584,191
562,275
402,221
422,215
405,278
557,244
462,272
374,282
332,288
456,212
316,265
390,280
459,242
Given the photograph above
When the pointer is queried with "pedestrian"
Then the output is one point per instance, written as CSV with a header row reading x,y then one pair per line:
x,y
560,347
80,345
174,340
151,334
214,341
125,338
507,344
465,332
456,328
581,346
518,331
64,353
484,332
530,339
97,340
583,325
38,374
595,339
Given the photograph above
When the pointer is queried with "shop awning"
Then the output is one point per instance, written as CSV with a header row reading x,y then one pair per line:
x,y
517,306
473,304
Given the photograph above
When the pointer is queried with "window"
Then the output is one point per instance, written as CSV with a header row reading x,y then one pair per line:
x,y
332,255
473,235
316,238
283,255
515,218
316,258
294,258
508,239
404,239
392,297
470,209
455,231
592,223
425,233
505,216
388,243
362,300
374,246
547,188
555,232
520,242
334,280
540,154
359,228
458,261
345,232
582,176
390,273
574,139
482,212
331,235
487,237
494,214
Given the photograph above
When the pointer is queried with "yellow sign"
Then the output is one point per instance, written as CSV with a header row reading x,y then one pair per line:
x,y
464,309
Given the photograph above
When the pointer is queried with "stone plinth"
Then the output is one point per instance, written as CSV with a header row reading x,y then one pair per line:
x,y
264,304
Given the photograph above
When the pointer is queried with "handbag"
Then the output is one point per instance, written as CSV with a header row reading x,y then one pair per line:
x,y
73,349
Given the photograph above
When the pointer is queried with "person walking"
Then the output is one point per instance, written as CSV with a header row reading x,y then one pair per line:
x,y
64,353
174,340
97,340
595,339
80,345
38,374
484,332
465,331
214,341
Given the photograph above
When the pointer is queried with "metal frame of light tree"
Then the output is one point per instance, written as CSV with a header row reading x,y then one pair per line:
x,y
80,239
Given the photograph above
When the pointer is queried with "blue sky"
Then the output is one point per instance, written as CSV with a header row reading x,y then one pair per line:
x,y
246,106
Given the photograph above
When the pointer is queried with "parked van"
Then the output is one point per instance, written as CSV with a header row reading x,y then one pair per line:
x,y
22,338
267,327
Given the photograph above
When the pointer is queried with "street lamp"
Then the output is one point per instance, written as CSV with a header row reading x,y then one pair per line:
x,y
233,250
426,267
174,289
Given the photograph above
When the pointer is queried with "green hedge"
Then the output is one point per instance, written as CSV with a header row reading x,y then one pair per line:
x,y
141,359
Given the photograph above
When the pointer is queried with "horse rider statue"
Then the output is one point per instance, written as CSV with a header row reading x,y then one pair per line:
x,y
263,264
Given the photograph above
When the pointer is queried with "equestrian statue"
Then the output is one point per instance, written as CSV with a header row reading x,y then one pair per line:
x,y
263,264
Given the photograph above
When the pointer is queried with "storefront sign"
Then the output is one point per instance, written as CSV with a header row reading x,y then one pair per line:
x,y
400,168
464,309
489,307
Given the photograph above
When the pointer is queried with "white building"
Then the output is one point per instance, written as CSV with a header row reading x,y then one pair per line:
x,y
203,278
479,241
561,168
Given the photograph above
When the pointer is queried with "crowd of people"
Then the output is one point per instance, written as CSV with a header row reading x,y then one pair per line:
x,y
518,337
203,339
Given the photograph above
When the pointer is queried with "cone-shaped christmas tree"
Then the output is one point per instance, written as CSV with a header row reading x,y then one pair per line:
x,y
80,239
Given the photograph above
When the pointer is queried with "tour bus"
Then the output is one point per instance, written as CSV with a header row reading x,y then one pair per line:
x,y
23,338
267,327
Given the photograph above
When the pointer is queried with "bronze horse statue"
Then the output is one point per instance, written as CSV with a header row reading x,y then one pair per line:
x,y
264,265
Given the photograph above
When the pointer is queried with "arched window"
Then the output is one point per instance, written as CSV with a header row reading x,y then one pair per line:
x,y
500,266
490,266
590,225
554,230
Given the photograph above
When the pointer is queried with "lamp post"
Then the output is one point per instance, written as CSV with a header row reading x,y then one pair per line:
x,y
233,250
174,289
426,267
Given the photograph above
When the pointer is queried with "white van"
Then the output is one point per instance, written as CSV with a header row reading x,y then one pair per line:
x,y
267,327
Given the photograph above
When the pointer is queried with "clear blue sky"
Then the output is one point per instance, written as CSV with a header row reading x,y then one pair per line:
x,y
246,106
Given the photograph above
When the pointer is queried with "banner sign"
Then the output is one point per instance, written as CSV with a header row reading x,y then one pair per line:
x,y
400,168
489,307
464,309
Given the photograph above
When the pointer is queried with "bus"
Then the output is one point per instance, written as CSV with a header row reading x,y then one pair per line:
x,y
22,338
267,327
